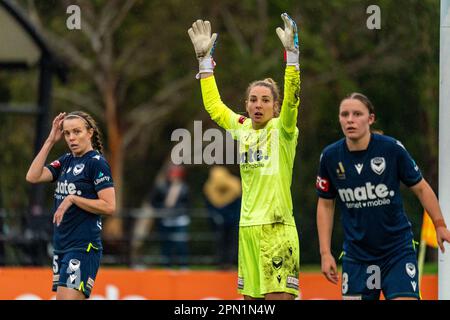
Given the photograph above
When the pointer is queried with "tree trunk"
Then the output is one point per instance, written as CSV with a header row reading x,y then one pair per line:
x,y
113,225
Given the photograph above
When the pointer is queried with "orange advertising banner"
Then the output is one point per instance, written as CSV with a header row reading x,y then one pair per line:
x,y
123,284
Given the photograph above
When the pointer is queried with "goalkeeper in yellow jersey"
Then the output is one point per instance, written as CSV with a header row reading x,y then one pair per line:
x,y
268,263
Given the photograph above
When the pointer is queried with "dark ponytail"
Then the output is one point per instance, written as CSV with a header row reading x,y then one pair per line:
x,y
97,143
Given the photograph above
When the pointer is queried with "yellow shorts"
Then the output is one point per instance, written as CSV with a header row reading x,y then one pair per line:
x,y
269,259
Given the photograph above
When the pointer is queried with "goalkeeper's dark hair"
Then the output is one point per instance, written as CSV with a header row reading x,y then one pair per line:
x,y
272,85
90,124
363,99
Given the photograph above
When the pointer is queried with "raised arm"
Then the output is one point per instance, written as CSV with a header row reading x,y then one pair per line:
x,y
37,171
204,44
291,100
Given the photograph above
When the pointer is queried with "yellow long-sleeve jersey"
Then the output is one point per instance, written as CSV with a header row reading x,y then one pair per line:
x,y
266,155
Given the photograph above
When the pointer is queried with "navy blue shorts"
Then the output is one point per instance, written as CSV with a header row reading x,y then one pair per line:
x,y
76,270
396,276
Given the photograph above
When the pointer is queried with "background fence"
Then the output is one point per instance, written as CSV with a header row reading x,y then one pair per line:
x,y
26,239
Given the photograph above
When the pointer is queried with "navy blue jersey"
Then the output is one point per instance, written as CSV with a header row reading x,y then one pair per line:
x,y
366,185
82,176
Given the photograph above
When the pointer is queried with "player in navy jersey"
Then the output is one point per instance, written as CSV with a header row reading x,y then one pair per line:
x,y
84,191
362,173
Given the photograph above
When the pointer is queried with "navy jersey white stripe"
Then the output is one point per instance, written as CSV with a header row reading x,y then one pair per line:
x,y
83,176
366,185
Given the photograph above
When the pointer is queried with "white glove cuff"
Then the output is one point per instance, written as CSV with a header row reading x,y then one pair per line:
x,y
292,58
205,65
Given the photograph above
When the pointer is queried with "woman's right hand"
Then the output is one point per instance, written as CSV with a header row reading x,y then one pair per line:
x,y
329,268
56,131
204,44
203,41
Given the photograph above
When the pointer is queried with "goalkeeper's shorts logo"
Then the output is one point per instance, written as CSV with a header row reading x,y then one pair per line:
x,y
292,282
240,283
277,262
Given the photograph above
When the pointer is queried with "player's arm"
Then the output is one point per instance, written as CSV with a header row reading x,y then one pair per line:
x,y
430,203
218,111
291,100
37,171
325,218
204,44
411,176
104,205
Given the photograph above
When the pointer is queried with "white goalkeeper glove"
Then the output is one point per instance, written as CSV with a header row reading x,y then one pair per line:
x,y
289,38
204,44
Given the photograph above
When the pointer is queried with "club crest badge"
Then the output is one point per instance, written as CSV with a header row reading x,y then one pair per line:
x,y
410,269
277,262
78,169
74,265
378,165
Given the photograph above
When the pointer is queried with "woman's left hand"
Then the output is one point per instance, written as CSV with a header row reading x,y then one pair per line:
x,y
289,38
59,213
443,235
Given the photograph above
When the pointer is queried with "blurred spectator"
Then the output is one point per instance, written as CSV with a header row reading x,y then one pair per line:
x,y
170,199
223,200
142,226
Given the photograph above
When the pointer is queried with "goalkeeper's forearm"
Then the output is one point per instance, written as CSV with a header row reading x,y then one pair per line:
x,y
291,101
